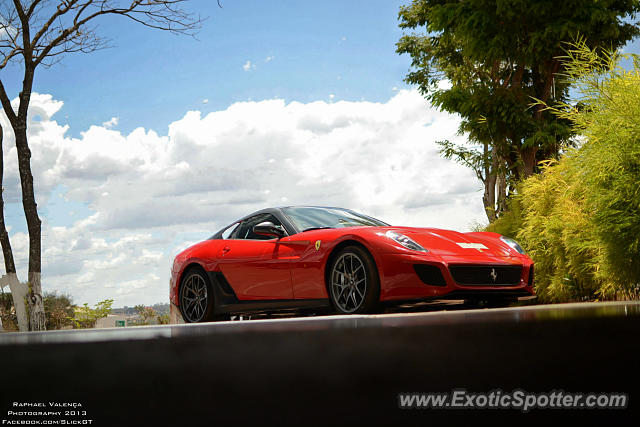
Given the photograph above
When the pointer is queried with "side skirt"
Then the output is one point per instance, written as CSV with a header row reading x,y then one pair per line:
x,y
226,301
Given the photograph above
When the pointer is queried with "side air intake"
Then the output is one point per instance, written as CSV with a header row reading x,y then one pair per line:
x,y
429,274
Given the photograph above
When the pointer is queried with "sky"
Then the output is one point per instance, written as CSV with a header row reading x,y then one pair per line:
x,y
147,147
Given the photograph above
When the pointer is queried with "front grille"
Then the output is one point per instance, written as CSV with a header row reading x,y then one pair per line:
x,y
429,274
486,275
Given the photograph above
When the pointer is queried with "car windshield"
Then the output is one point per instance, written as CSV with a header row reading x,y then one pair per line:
x,y
305,218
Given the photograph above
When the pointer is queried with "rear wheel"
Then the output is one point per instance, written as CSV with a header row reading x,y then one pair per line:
x,y
354,286
196,297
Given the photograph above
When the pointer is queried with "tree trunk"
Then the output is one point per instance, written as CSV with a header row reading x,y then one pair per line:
x,y
19,124
9,263
528,154
19,292
501,184
529,161
34,297
489,197
18,289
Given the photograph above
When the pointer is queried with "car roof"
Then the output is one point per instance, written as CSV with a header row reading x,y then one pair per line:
x,y
278,208
278,211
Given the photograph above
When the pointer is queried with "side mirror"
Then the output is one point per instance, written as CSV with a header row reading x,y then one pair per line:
x,y
268,229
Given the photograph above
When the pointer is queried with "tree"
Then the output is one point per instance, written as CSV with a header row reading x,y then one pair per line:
x,y
497,56
37,33
58,309
607,115
9,321
18,290
580,218
86,317
145,313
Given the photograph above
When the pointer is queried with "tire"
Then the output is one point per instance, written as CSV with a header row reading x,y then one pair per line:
x,y
354,285
196,297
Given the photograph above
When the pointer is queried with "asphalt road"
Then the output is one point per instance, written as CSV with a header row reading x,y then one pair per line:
x,y
329,370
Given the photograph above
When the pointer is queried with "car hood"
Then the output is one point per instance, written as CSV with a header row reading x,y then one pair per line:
x,y
452,243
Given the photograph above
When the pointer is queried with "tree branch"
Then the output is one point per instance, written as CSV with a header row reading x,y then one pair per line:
x,y
24,20
6,105
32,8
159,14
59,12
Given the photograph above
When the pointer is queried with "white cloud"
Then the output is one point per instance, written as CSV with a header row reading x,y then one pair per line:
x,y
7,31
152,195
113,122
248,66
205,101
269,58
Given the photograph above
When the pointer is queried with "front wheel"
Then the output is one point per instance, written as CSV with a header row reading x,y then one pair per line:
x,y
354,286
196,297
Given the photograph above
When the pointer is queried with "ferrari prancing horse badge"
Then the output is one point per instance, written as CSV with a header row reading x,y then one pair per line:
x,y
317,245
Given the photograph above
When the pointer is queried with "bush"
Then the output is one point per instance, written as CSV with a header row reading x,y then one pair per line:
x,y
559,235
611,166
58,310
510,221
86,317
7,312
580,218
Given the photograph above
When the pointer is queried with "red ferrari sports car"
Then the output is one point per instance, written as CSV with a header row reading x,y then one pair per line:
x,y
305,257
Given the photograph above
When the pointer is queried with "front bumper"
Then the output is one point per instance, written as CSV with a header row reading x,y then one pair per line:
x,y
400,280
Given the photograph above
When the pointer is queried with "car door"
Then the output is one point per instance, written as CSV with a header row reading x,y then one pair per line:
x,y
257,267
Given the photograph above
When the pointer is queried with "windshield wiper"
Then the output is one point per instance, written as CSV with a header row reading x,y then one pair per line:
x,y
315,228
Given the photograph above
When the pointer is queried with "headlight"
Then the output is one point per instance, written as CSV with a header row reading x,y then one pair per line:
x,y
405,241
514,245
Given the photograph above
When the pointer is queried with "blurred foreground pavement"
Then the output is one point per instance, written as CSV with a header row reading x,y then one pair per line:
x,y
328,370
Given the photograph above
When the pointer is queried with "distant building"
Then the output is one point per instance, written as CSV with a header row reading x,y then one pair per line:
x,y
114,321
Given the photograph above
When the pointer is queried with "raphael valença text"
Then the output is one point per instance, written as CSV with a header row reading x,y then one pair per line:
x,y
47,405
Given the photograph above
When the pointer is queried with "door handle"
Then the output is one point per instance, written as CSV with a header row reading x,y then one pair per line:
x,y
225,249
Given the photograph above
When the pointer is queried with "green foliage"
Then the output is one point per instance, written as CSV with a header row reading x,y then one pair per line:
x,y
145,314
496,55
609,164
581,216
58,310
558,233
472,157
86,317
7,312
163,319
510,222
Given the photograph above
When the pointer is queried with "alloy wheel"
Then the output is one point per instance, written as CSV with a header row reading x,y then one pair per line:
x,y
349,282
194,298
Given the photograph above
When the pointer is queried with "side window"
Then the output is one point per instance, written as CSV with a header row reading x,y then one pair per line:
x,y
228,233
245,230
